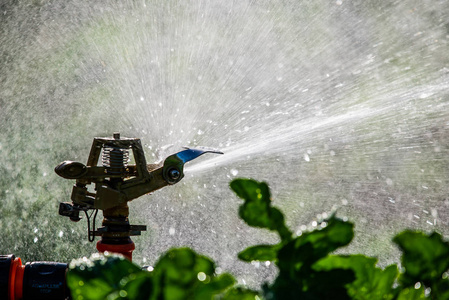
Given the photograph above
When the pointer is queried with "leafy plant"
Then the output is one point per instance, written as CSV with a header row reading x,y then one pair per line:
x,y
179,274
307,267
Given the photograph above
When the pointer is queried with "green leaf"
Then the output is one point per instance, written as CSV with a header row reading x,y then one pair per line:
x,y
138,287
257,211
327,285
370,283
260,253
239,293
295,260
104,276
441,289
312,285
425,257
411,293
312,246
183,274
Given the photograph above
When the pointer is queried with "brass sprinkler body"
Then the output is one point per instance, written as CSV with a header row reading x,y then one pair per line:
x,y
116,182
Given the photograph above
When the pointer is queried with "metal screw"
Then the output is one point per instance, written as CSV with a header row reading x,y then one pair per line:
x,y
174,174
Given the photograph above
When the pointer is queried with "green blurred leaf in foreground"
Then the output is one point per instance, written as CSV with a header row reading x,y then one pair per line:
x,y
260,253
183,274
179,274
257,210
370,283
295,261
425,258
107,277
294,257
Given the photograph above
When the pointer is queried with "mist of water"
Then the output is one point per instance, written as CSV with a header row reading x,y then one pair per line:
x,y
338,105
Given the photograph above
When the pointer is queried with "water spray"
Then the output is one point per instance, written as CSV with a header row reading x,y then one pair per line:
x,y
115,183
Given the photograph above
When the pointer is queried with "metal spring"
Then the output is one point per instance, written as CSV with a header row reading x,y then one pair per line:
x,y
115,159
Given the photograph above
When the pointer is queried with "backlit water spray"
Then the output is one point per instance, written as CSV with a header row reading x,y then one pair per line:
x,y
338,105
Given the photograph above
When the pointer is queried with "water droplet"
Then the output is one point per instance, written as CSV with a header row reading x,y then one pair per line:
x,y
434,212
201,276
123,293
234,172
150,268
256,263
417,285
61,233
35,239
306,157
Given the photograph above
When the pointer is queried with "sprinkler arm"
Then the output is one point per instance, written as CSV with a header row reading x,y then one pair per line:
x,y
153,177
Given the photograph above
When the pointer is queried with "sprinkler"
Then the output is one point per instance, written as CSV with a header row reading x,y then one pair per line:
x,y
107,187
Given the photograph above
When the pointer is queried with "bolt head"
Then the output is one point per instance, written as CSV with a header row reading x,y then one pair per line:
x,y
174,174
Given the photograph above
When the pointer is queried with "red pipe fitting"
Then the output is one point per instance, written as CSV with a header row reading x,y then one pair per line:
x,y
16,272
125,249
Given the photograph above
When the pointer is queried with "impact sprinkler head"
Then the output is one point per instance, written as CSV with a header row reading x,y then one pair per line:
x,y
116,182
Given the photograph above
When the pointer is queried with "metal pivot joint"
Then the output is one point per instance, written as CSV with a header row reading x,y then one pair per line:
x,y
116,182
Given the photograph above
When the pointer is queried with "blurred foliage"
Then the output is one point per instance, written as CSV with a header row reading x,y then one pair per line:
x,y
307,269
179,274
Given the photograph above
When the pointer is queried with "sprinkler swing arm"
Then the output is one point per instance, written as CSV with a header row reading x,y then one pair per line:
x,y
134,180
